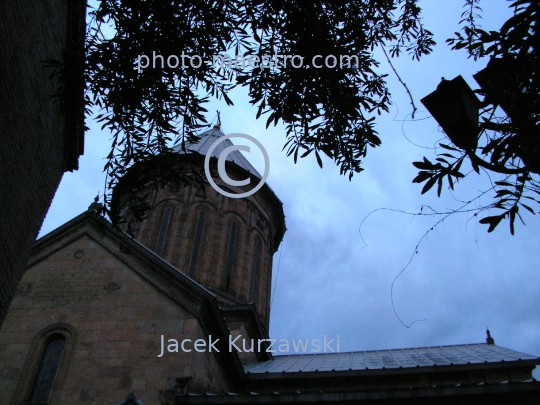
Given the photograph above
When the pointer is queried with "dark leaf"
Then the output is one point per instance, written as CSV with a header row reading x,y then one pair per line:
x,y
528,208
425,165
319,161
422,176
493,221
448,147
429,184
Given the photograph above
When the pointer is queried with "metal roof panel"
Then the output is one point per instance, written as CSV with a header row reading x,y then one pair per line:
x,y
393,358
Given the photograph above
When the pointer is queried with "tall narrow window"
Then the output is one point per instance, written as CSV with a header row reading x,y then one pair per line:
x,y
196,244
133,227
47,371
255,270
230,254
163,231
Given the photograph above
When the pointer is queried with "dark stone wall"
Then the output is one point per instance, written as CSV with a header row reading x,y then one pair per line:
x,y
115,307
40,138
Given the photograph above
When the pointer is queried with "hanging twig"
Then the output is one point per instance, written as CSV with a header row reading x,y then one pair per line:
x,y
402,82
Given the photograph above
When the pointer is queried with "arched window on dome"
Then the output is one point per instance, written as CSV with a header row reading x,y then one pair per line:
x,y
133,226
196,243
256,266
47,371
160,245
231,250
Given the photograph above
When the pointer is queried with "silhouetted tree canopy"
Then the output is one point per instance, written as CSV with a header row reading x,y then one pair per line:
x,y
328,110
148,99
508,141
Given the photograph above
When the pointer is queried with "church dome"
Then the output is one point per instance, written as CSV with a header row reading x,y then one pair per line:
x,y
226,244
206,141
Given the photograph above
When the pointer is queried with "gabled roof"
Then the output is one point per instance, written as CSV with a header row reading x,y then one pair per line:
x,y
206,141
167,279
131,400
130,251
389,359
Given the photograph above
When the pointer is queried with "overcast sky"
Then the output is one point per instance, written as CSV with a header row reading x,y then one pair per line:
x,y
327,280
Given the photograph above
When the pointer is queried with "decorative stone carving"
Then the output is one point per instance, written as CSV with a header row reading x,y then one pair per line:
x,y
112,287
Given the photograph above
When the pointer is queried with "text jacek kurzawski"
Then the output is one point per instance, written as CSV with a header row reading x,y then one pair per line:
x,y
241,345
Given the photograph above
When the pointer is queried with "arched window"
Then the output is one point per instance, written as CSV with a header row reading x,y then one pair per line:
x,y
163,231
47,370
196,244
230,254
255,269
46,366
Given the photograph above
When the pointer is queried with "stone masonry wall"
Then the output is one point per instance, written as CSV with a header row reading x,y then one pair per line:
x,y
32,128
118,318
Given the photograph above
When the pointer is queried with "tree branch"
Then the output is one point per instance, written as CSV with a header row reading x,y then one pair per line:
x,y
402,82
480,162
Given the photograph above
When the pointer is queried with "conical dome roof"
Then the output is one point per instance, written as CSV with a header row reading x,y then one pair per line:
x,y
207,140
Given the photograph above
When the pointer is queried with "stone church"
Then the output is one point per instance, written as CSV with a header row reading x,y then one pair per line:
x,y
104,316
